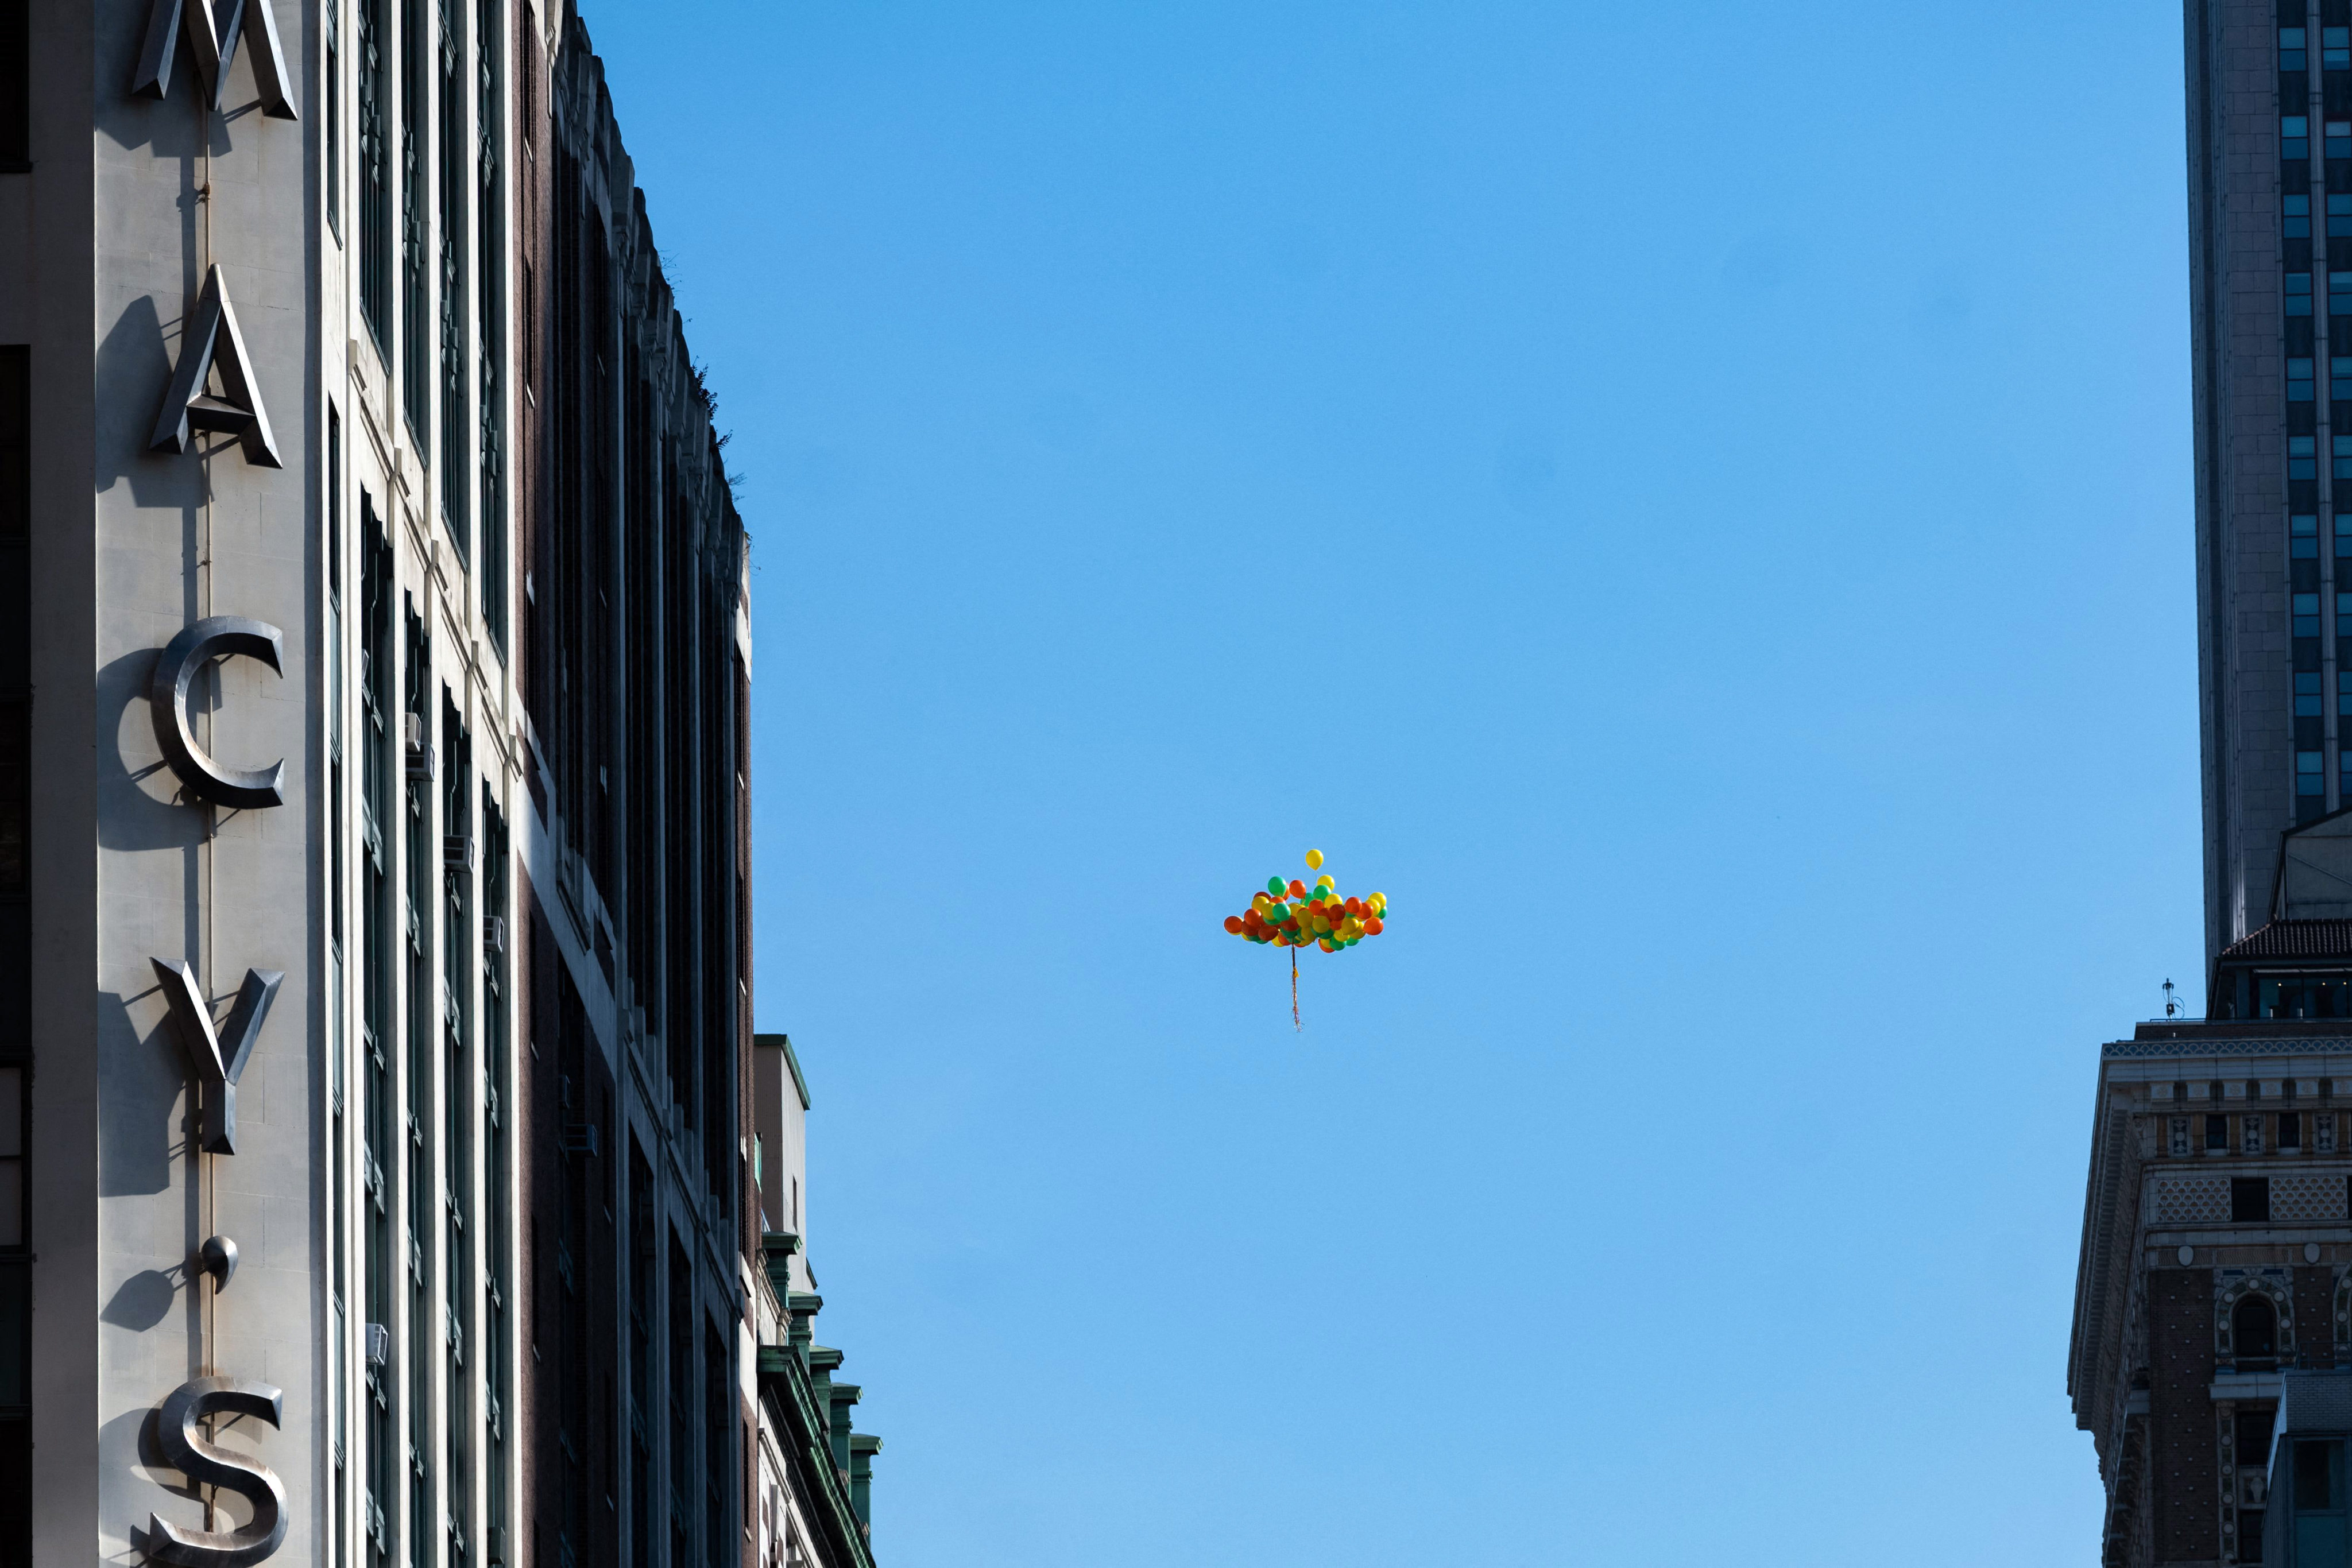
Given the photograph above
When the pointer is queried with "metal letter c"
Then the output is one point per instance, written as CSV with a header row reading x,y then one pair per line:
x,y
214,637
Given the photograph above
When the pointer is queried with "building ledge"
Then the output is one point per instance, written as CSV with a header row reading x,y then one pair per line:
x,y
2246,1386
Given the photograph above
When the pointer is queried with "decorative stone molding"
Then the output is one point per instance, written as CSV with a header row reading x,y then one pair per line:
x,y
2190,1200
2300,1198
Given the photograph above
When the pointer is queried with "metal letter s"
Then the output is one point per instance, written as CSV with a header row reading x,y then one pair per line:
x,y
189,1453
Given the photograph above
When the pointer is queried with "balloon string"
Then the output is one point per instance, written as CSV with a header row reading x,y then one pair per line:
x,y
1294,993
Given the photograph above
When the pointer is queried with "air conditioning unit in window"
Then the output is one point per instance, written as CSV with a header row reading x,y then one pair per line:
x,y
494,933
419,748
378,1344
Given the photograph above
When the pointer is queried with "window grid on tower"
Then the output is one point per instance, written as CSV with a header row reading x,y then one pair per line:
x,y
2303,255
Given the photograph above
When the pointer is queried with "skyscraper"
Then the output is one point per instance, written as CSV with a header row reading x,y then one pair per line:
x,y
2269,189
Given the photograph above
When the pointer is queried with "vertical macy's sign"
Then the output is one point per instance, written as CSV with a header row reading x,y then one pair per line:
x,y
211,346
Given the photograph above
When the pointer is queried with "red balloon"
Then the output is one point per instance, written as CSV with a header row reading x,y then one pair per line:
x,y
1372,926
1234,924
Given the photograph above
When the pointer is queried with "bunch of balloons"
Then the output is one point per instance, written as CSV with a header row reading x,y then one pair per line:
x,y
1293,915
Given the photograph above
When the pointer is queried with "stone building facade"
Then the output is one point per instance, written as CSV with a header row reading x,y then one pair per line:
x,y
376,1172
2217,1256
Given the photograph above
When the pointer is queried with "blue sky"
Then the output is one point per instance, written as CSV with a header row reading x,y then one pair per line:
x,y
1692,503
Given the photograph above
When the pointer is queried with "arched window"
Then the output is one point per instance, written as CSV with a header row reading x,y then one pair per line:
x,y
2253,1329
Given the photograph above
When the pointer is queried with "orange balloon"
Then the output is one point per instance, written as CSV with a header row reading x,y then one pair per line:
x,y
1234,924
1372,927
1297,888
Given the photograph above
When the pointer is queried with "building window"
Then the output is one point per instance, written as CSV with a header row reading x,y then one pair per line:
x,y
15,952
2339,139
15,88
456,428
333,156
2249,1204
2295,139
2254,1336
2336,48
2306,615
2302,538
376,176
2309,782
2306,694
2303,457
2291,56
415,340
2298,294
2295,216
2298,381
490,315
2319,1484
2217,1132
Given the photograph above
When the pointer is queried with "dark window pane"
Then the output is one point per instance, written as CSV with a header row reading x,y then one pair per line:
x,y
2252,1433
2314,1477
15,84
2250,1202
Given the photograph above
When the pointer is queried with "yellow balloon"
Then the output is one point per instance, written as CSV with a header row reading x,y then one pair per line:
x,y
1314,859
1379,900
1325,881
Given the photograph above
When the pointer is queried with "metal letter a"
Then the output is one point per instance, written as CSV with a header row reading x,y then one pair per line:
x,y
219,1068
212,340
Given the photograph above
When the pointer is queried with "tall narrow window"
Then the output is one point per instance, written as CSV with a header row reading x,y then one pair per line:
x,y
418,1178
377,715
456,430
375,175
490,245
338,1040
416,375
456,1139
495,1037
15,952
332,19
15,88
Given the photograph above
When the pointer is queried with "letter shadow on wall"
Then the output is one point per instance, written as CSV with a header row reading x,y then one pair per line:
x,y
129,816
144,1081
144,1301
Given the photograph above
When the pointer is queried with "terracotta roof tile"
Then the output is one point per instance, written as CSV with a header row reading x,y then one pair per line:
x,y
2293,940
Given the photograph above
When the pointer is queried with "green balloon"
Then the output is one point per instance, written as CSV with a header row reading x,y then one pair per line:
x,y
1275,884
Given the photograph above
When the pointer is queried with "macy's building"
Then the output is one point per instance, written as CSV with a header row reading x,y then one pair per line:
x,y
379,1176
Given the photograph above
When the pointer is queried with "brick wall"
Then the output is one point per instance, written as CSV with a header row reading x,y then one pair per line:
x,y
2184,1463
2315,1313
